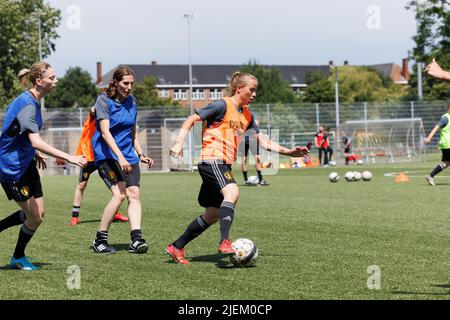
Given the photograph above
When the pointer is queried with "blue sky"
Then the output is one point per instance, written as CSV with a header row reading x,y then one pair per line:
x,y
231,32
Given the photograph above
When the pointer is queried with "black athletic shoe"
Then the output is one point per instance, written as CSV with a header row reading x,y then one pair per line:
x,y
263,183
138,246
102,247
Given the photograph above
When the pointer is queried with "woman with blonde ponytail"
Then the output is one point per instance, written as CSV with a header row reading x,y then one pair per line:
x,y
20,144
225,122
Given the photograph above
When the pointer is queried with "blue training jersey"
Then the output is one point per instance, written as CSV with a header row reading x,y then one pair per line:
x,y
16,151
122,120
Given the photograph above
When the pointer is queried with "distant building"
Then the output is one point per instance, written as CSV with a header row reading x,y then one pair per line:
x,y
209,82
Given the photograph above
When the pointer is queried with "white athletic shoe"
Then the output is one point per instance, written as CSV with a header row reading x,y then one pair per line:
x,y
430,180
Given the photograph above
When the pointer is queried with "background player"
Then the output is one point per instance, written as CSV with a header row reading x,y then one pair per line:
x,y
253,145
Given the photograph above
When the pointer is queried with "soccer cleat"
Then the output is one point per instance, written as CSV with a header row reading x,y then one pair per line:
x,y
138,246
225,247
430,180
23,264
102,247
119,217
263,183
74,221
176,254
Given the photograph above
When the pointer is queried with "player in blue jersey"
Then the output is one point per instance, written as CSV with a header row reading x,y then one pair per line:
x,y
20,144
117,154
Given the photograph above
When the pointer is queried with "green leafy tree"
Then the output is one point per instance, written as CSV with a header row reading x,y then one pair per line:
x,y
146,94
75,89
272,88
19,40
431,41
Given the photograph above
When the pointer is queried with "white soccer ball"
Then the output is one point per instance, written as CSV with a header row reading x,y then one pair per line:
x,y
334,177
253,180
359,162
367,175
357,176
332,163
349,176
246,253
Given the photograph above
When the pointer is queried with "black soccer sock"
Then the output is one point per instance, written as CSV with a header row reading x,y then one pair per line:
x,y
195,229
441,166
136,234
75,211
25,235
245,175
14,219
226,219
259,175
101,236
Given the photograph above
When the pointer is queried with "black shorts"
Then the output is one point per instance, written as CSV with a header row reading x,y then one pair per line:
x,y
86,171
445,154
111,173
29,185
215,177
252,144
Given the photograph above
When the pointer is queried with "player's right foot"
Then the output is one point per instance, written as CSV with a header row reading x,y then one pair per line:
x,y
119,217
263,183
225,247
23,264
430,180
74,221
102,247
138,246
176,254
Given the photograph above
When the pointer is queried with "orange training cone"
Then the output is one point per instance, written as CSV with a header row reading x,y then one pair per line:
x,y
402,178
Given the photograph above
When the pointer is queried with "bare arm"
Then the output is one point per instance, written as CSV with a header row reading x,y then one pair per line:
x,y
107,136
137,146
427,140
275,147
176,150
435,70
41,145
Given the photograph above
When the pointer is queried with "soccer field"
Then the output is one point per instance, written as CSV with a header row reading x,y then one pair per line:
x,y
316,240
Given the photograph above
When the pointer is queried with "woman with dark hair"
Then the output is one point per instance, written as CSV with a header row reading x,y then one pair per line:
x,y
117,153
19,145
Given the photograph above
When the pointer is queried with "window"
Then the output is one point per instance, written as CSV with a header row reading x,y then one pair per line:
x,y
215,94
163,93
198,94
179,95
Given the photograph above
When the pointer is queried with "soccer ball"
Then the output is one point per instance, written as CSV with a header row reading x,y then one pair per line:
x,y
349,176
357,176
367,175
253,180
246,253
334,177
332,163
359,162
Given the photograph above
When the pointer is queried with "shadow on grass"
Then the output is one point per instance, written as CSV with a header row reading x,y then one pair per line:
x,y
441,286
89,221
38,264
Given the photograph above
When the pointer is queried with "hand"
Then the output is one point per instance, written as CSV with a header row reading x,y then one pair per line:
x,y
77,160
40,159
427,140
176,151
434,69
147,160
298,152
124,165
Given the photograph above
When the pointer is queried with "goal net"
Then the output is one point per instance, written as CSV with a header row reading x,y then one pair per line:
x,y
386,140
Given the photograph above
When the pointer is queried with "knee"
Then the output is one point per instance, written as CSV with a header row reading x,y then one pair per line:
x,y
134,195
119,197
232,196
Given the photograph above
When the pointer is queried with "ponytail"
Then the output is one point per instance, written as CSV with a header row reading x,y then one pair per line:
x,y
24,77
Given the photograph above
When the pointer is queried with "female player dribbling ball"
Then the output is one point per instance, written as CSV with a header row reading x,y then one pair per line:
x,y
225,122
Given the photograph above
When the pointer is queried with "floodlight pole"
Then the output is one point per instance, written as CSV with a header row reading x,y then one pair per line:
x,y
336,86
42,101
191,108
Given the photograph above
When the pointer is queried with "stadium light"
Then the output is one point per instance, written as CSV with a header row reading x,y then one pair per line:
x,y
191,108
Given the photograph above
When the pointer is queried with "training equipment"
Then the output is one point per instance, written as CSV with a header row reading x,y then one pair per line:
x,y
246,253
332,163
402,177
252,180
367,175
357,176
359,162
334,177
349,176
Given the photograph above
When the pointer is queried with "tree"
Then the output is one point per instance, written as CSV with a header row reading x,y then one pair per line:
x,y
272,88
432,41
146,94
74,89
19,39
